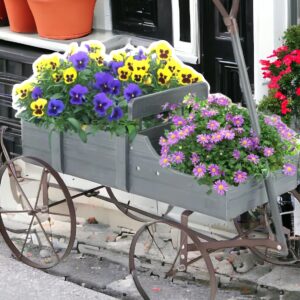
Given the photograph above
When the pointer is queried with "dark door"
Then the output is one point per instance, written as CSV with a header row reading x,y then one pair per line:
x,y
218,64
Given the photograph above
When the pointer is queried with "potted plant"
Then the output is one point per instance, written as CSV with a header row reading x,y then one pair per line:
x,y
63,19
213,141
282,68
20,16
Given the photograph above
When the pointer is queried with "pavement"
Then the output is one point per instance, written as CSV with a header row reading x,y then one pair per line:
x,y
99,263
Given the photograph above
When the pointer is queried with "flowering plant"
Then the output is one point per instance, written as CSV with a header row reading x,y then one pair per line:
x,y
213,140
283,70
85,90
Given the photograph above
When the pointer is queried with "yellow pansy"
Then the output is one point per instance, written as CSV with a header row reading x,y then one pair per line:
x,y
141,65
98,57
57,77
40,64
197,77
129,63
72,49
118,55
163,50
53,61
137,76
95,47
70,75
163,76
186,76
23,90
124,73
38,106
174,66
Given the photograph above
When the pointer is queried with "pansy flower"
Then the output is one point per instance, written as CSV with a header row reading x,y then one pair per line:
x,y
22,91
38,106
70,75
79,60
77,94
132,91
36,93
101,104
103,81
163,76
116,114
55,107
124,73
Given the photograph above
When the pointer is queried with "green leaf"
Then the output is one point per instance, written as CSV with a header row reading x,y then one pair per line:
x,y
75,124
83,135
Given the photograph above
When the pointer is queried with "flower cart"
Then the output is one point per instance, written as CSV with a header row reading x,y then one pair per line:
x,y
129,164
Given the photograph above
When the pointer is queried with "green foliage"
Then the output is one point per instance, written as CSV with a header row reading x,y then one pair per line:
x,y
291,37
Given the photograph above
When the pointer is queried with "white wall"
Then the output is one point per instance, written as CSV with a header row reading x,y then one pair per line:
x,y
102,18
270,21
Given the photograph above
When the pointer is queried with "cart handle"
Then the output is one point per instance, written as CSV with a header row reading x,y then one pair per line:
x,y
227,17
3,148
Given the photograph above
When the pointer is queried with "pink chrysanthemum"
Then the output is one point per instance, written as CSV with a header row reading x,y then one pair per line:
x,y
199,170
240,176
289,169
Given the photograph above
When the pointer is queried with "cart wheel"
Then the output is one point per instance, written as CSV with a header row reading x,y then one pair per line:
x,y
261,223
37,215
154,256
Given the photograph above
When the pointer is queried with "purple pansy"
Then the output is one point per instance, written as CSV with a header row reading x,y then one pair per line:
x,y
101,104
289,169
221,187
77,94
140,55
240,176
115,87
103,82
79,60
116,114
178,157
214,170
268,151
115,65
253,158
236,154
55,107
36,93
132,91
238,120
199,170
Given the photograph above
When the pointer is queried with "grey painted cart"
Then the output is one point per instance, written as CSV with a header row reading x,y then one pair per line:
x,y
33,221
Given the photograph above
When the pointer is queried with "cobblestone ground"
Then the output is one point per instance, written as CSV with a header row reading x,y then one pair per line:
x,y
106,274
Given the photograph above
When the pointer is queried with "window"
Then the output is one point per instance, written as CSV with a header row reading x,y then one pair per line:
x,y
294,12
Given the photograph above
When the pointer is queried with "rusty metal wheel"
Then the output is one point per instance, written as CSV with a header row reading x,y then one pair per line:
x,y
154,255
37,215
259,225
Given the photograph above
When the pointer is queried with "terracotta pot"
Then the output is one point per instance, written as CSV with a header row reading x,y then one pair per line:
x,y
20,16
63,19
3,14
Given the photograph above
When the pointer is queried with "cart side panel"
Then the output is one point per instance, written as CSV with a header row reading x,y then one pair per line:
x,y
102,159
147,178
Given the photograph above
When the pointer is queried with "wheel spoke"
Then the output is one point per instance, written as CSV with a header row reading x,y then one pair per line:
x,y
14,211
40,187
29,229
47,238
155,242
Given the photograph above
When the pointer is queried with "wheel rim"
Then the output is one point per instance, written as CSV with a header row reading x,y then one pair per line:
x,y
171,264
37,215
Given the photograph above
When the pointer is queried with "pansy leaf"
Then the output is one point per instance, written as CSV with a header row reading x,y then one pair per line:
x,y
75,124
83,135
